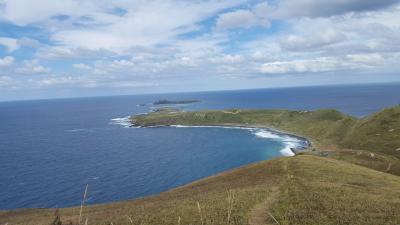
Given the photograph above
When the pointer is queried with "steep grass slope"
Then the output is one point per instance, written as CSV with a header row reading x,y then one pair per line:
x,y
379,132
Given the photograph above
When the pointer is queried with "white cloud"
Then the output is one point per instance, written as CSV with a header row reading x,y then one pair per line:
x,y
133,84
370,59
95,25
233,58
10,43
323,37
257,16
145,23
6,81
53,80
325,64
353,43
84,82
139,43
28,42
229,59
239,18
65,52
121,63
32,67
6,61
304,66
81,66
262,10
318,8
22,12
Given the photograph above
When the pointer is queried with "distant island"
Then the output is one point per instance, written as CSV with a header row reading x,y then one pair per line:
x,y
166,110
172,102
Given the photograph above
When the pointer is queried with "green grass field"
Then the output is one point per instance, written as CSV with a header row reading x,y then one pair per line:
x,y
349,176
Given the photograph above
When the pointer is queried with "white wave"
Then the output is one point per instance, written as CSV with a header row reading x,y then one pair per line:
x,y
86,130
288,141
287,150
123,121
77,130
212,126
180,126
267,134
83,130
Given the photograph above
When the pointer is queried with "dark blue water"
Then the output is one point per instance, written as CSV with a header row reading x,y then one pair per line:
x,y
50,149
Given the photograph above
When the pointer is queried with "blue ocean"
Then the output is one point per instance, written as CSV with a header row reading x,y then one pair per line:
x,y
50,149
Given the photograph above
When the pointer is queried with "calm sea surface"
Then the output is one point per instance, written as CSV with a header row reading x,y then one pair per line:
x,y
50,149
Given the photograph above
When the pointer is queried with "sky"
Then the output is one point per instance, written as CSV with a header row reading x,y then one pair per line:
x,y
72,48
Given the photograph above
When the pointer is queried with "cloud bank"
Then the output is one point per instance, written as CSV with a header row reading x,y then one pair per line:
x,y
172,45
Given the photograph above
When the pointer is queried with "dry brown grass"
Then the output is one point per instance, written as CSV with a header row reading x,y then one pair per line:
x,y
337,192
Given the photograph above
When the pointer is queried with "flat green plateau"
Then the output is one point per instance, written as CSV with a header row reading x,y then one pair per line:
x,y
348,176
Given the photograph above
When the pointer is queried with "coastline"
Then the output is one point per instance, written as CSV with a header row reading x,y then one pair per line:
x,y
294,150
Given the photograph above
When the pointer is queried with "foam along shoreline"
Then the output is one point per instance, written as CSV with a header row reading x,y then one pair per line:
x,y
292,143
122,121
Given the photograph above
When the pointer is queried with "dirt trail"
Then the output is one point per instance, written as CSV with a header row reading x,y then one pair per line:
x,y
388,167
259,214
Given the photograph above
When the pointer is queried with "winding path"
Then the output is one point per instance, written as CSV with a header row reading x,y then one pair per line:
x,y
260,213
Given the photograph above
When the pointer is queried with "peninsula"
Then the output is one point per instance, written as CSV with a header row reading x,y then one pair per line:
x,y
350,175
379,132
174,102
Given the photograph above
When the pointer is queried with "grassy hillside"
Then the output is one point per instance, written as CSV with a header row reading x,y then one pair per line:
x,y
379,132
298,190
325,126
